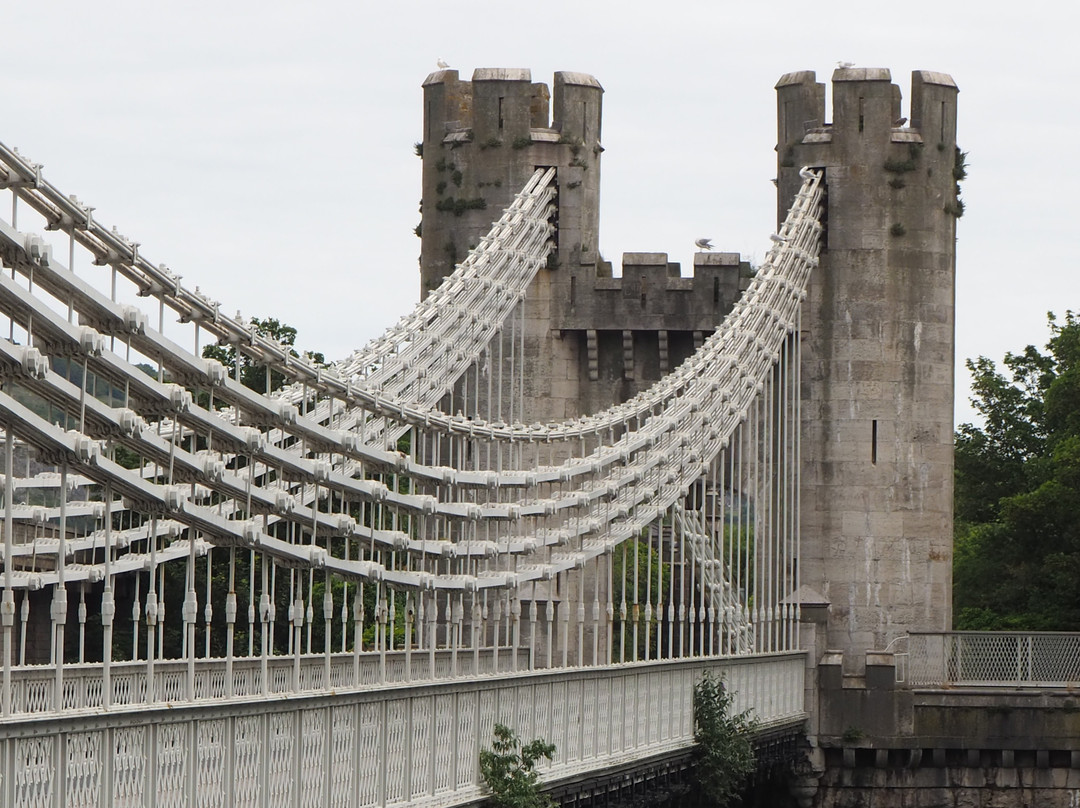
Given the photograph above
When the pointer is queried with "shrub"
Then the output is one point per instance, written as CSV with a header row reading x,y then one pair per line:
x,y
725,756
509,770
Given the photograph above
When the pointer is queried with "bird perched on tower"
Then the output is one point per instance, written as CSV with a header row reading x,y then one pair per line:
x,y
703,243
442,64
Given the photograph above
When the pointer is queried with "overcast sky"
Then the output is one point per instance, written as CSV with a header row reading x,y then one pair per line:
x,y
265,152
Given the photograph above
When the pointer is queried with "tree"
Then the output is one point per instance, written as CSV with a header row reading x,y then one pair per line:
x,y
251,374
509,770
1017,496
725,755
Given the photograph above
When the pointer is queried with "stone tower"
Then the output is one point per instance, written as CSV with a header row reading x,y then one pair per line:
x,y
483,139
591,339
877,470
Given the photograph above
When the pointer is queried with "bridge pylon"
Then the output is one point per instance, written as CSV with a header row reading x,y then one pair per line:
x,y
878,344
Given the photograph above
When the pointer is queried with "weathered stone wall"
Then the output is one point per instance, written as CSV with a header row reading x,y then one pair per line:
x,y
878,350
990,786
879,743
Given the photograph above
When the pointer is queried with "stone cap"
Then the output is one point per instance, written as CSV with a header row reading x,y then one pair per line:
x,y
440,77
580,79
798,77
932,77
649,259
716,259
806,596
862,74
832,657
502,74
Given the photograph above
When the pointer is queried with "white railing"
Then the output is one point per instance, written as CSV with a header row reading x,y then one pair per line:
x,y
397,745
34,687
992,659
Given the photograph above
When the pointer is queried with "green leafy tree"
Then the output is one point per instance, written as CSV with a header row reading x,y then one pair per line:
x,y
509,770
252,374
1017,497
624,576
725,754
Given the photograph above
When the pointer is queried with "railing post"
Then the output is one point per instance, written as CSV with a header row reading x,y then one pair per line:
x,y
7,607
59,603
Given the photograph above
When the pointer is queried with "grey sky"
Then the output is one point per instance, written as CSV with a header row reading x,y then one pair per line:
x,y
264,151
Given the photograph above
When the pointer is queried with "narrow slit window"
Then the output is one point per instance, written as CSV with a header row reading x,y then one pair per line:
x,y
500,114
716,291
862,112
873,442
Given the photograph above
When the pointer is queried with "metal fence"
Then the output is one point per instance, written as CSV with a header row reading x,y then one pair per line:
x,y
989,659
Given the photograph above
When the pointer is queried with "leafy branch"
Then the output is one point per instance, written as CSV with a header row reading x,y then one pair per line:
x,y
509,770
725,756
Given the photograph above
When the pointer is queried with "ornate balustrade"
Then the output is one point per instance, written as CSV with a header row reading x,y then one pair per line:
x,y
175,681
397,744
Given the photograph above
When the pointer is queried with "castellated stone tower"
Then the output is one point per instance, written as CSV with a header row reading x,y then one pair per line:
x,y
877,439
591,339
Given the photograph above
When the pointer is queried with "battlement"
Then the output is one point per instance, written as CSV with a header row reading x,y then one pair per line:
x,y
900,160
482,141
505,103
867,107
652,294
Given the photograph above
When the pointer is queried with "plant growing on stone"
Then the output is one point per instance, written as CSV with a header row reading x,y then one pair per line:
x,y
509,770
725,755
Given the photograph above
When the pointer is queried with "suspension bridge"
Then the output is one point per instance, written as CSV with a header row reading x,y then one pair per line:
x,y
328,591
330,594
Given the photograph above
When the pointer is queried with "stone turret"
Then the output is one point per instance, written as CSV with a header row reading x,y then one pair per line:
x,y
877,471
591,339
482,141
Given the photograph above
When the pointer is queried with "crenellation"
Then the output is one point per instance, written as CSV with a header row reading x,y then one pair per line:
x,y
652,294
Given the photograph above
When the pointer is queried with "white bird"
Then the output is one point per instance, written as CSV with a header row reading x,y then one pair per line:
x,y
845,65
442,65
806,173
778,239
703,243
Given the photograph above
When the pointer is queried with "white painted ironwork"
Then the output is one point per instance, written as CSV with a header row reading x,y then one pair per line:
x,y
194,572
406,745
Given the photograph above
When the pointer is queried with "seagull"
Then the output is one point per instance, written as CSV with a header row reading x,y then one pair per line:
x,y
778,239
806,173
703,243
442,65
845,65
